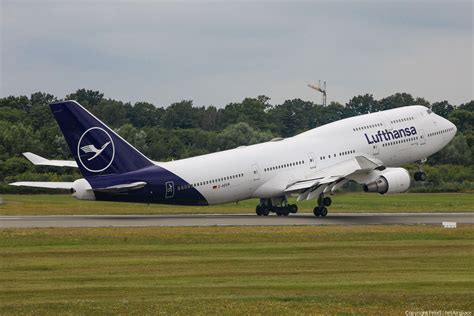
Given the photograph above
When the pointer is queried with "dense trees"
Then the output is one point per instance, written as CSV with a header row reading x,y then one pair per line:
x,y
182,130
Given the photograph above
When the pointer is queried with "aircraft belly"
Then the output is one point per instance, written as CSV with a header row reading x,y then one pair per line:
x,y
228,194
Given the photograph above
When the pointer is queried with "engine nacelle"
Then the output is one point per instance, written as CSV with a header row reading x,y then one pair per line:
x,y
82,190
391,180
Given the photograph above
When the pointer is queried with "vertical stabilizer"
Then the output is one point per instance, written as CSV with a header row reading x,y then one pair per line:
x,y
97,149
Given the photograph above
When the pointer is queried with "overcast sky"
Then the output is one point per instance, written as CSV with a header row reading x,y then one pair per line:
x,y
222,51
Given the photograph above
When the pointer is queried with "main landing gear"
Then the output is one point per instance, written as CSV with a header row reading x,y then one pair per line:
x,y
280,207
321,208
420,175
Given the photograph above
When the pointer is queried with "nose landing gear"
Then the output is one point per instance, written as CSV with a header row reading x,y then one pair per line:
x,y
420,175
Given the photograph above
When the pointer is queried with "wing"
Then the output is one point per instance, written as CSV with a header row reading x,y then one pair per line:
x,y
332,178
40,161
47,185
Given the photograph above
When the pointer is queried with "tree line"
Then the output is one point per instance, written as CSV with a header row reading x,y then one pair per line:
x,y
182,130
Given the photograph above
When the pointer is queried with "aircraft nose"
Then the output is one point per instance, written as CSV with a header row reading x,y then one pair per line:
x,y
453,127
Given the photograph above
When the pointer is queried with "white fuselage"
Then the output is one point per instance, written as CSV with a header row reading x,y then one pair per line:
x,y
393,137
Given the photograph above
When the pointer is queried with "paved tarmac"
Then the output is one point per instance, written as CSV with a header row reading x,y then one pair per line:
x,y
232,220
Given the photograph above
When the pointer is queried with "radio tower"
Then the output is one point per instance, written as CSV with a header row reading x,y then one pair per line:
x,y
320,89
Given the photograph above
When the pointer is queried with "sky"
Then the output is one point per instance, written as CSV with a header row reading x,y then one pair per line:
x,y
217,52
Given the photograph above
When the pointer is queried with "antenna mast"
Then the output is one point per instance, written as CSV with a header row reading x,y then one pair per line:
x,y
320,89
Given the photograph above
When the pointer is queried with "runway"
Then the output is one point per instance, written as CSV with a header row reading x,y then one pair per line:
x,y
304,219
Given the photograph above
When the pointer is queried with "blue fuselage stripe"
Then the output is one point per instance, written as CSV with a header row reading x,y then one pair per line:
x,y
161,188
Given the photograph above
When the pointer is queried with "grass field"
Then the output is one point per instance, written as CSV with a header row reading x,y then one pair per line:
x,y
347,202
237,270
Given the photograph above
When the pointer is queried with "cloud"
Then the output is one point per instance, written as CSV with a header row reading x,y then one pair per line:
x,y
219,52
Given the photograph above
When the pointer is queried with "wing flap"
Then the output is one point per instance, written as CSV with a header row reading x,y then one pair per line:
x,y
303,195
304,184
41,161
316,192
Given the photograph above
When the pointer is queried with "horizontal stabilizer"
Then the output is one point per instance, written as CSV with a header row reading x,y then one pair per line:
x,y
69,185
41,161
122,187
47,185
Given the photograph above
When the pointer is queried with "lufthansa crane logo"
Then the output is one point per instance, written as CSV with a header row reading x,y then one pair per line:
x,y
95,150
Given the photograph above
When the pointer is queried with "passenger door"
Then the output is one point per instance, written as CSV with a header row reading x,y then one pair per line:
x,y
256,174
375,150
312,160
422,137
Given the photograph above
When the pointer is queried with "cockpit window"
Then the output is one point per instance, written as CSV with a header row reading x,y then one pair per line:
x,y
429,111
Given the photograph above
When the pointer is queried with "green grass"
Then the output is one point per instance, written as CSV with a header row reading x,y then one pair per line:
x,y
346,202
237,270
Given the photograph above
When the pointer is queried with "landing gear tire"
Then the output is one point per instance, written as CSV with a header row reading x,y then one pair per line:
x,y
320,211
420,176
265,207
323,211
283,211
293,208
262,210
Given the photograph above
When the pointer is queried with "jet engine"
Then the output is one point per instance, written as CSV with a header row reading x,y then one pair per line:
x,y
391,180
82,190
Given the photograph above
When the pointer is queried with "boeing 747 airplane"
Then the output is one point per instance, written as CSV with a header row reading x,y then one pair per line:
x,y
368,149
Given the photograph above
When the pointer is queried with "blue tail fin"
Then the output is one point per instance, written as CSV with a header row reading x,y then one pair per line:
x,y
98,150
